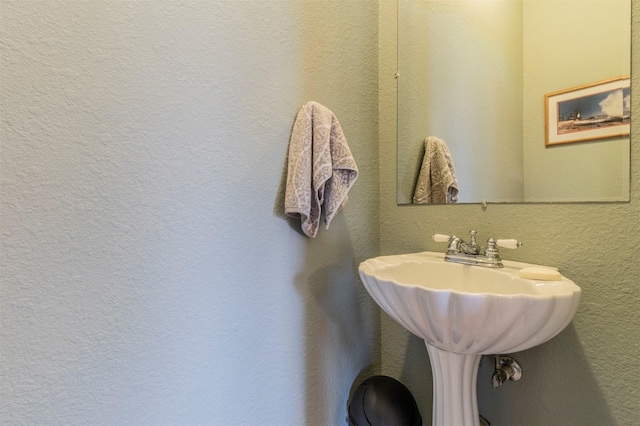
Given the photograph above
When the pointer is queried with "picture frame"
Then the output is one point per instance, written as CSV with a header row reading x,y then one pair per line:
x,y
600,110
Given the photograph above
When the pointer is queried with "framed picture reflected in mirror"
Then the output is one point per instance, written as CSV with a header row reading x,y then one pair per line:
x,y
600,110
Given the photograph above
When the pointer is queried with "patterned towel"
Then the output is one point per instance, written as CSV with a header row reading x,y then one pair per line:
x,y
437,182
321,169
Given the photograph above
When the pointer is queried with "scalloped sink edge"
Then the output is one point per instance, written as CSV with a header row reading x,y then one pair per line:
x,y
469,309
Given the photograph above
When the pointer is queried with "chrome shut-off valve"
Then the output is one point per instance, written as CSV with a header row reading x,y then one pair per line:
x,y
507,368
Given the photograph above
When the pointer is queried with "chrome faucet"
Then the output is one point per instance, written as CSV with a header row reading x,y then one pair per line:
x,y
470,253
457,245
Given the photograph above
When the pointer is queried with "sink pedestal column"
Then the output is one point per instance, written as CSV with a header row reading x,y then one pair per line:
x,y
454,387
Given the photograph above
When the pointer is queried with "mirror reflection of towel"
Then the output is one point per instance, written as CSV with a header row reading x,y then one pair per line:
x,y
437,183
321,169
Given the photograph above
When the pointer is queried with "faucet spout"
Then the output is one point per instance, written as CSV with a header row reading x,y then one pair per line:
x,y
458,245
454,245
470,253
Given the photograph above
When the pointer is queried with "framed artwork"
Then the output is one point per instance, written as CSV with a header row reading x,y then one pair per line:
x,y
593,111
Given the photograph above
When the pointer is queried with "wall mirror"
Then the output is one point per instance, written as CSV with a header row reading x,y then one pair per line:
x,y
474,73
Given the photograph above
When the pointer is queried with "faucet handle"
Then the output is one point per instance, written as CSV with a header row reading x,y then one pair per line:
x,y
440,238
509,243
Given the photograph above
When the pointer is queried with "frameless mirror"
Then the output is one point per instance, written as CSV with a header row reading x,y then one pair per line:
x,y
475,73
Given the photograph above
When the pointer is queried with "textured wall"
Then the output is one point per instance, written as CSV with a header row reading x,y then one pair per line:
x,y
590,373
148,274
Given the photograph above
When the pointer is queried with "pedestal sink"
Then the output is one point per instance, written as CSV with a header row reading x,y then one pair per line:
x,y
463,312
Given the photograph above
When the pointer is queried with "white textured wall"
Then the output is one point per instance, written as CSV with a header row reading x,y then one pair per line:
x,y
590,373
148,274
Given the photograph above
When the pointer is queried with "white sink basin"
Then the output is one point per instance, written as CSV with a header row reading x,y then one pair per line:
x,y
462,312
469,309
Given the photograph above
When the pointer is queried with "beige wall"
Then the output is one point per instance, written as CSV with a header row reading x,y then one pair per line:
x,y
590,373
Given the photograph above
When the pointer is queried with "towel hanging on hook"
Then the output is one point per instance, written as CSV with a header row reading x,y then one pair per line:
x,y
321,169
